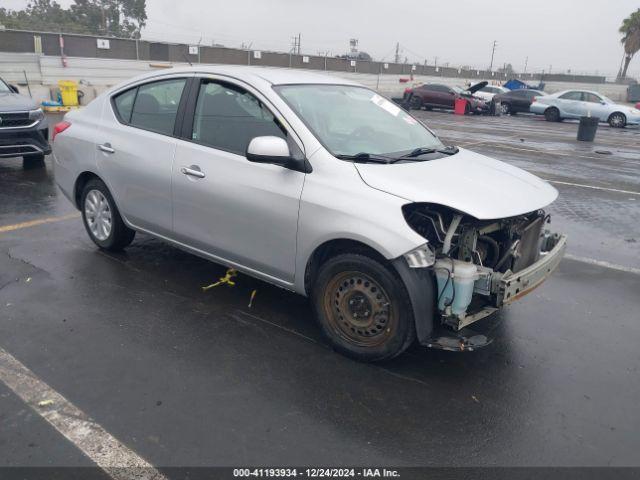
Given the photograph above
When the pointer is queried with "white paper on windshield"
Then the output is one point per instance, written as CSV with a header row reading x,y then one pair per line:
x,y
386,105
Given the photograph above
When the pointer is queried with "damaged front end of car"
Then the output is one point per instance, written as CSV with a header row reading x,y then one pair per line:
x,y
480,265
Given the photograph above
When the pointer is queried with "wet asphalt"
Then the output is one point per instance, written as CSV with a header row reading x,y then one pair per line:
x,y
186,378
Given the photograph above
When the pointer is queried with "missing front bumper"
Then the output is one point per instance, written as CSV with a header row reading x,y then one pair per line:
x,y
498,289
513,286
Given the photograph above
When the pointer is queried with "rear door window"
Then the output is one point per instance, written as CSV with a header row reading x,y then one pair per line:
x,y
156,105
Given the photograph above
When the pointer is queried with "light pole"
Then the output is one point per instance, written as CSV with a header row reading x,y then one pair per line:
x,y
495,44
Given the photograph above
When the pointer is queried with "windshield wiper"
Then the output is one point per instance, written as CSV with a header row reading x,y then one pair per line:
x,y
366,157
419,151
449,150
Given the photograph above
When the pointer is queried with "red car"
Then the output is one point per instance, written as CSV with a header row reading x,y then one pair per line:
x,y
434,95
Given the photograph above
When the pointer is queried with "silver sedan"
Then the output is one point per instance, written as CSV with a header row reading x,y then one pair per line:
x,y
583,103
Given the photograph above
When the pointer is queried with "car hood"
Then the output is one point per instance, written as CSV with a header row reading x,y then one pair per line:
x,y
13,102
478,86
467,181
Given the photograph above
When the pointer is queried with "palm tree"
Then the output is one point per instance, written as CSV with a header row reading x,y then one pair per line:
x,y
630,31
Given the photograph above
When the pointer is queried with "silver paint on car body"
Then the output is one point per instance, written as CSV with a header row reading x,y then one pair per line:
x,y
267,220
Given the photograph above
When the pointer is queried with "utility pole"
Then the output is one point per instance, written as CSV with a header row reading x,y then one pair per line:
x,y
397,58
495,44
295,44
526,62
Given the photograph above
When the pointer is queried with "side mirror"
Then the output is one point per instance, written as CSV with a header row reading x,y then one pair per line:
x,y
13,88
275,150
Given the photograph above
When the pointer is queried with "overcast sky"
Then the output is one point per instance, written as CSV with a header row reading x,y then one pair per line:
x,y
581,35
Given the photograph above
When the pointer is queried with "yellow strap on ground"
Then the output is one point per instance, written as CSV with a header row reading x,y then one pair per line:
x,y
227,279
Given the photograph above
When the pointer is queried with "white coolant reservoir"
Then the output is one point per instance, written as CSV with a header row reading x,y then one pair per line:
x,y
455,284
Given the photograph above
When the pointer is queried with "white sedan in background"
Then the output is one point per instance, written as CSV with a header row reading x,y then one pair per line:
x,y
487,93
583,103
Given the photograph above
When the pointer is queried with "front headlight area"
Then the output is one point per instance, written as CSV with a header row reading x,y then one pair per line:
x,y
36,115
422,257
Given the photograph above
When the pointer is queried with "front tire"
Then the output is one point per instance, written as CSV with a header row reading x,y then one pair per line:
x,y
617,120
363,308
101,218
506,109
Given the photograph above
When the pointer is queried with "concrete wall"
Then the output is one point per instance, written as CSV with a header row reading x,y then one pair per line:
x,y
86,46
97,74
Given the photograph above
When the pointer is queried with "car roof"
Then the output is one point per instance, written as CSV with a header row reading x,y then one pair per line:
x,y
275,76
557,94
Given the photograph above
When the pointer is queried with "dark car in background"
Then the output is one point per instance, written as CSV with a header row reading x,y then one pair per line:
x,y
435,95
517,101
24,130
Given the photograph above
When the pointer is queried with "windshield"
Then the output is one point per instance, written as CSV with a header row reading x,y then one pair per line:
x,y
4,88
350,120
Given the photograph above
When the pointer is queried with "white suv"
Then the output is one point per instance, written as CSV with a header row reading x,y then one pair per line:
x,y
318,185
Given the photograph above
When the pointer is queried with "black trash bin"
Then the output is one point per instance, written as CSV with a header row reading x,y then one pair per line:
x,y
587,129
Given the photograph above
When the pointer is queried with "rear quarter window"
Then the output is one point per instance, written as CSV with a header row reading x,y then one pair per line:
x,y
123,104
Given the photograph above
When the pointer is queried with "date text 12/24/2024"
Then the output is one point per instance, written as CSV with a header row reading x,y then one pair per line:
x,y
315,473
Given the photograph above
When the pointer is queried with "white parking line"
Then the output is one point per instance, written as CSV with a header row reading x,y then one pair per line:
x,y
626,192
118,461
602,263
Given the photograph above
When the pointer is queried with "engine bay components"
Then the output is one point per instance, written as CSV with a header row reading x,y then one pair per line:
x,y
479,265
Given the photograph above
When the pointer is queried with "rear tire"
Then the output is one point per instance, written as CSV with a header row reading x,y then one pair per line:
x,y
101,217
33,161
617,120
552,114
363,308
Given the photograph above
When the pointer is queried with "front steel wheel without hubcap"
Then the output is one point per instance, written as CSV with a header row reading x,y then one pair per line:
x,y
358,310
98,214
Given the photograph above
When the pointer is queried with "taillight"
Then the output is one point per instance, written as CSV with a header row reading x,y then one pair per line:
x,y
59,128
533,99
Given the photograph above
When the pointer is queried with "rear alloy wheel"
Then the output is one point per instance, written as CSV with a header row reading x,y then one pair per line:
x,y
363,308
552,114
415,103
102,219
617,120
505,108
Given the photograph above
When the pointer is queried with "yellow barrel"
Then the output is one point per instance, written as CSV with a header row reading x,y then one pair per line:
x,y
68,92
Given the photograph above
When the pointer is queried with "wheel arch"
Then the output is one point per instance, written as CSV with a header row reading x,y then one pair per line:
x,y
82,180
332,248
79,184
617,112
419,283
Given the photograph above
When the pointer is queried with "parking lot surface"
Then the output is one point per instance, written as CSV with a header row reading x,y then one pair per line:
x,y
186,378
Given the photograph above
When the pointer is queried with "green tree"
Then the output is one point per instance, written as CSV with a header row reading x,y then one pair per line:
x,y
117,18
630,31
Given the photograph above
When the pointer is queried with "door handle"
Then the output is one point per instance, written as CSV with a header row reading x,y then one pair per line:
x,y
193,171
106,147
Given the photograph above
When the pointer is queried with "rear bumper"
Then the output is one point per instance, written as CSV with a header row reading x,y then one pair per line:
x,y
25,142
